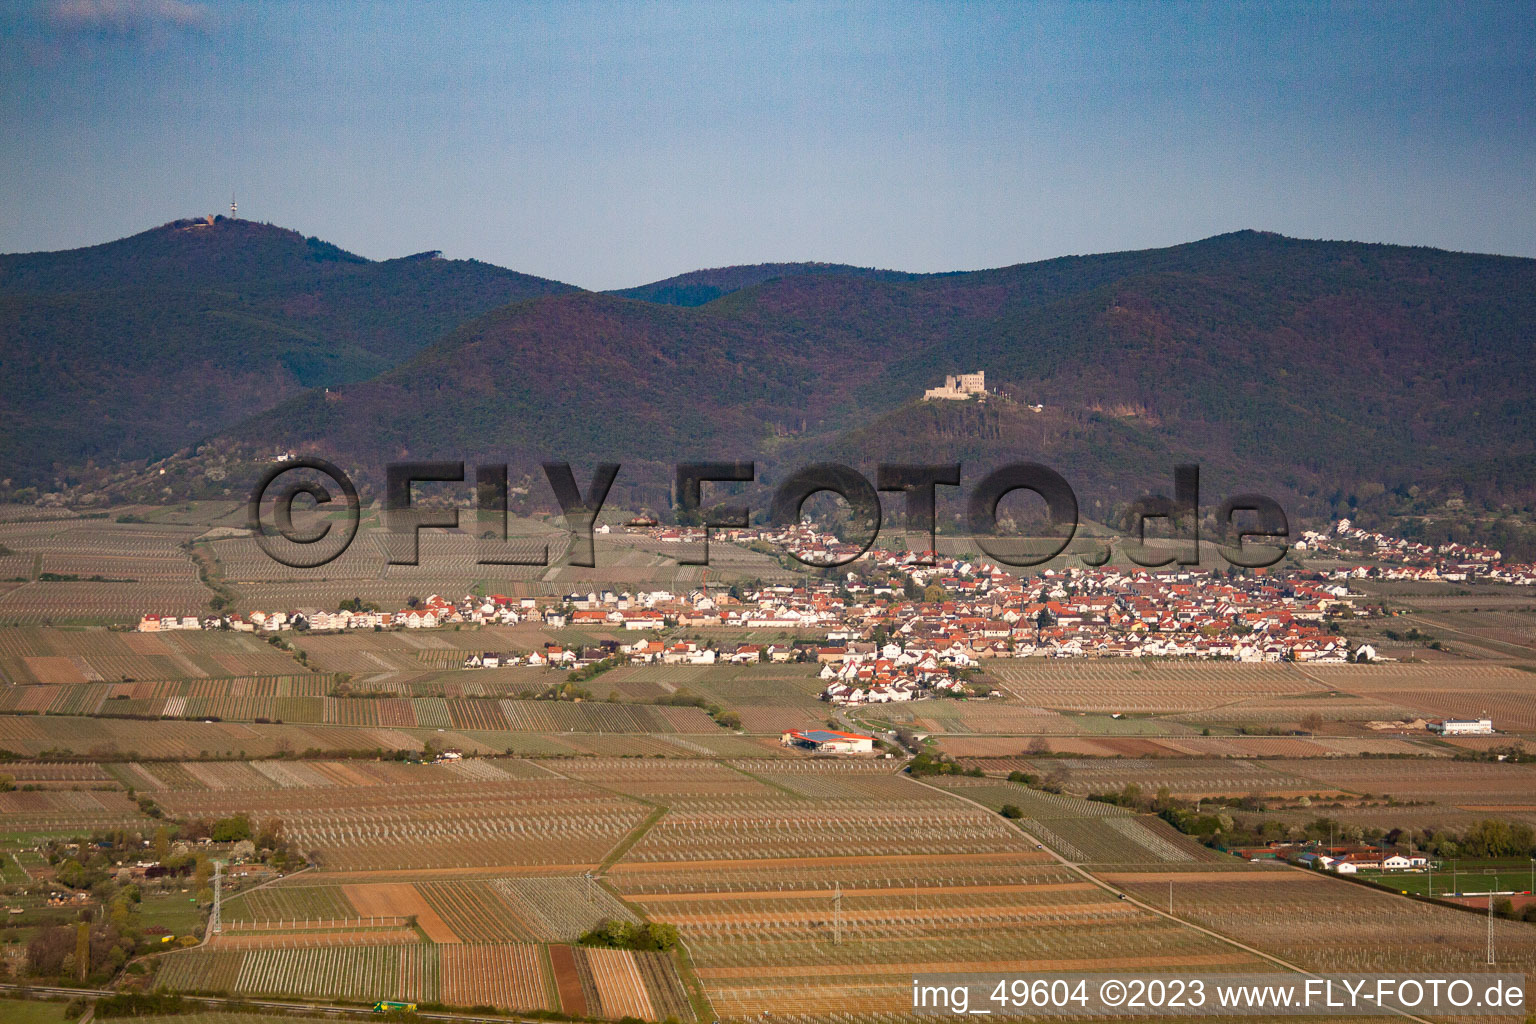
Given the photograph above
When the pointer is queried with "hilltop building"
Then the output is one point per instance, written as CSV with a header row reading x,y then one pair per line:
x,y
960,387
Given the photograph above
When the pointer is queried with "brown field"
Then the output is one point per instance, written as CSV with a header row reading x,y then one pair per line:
x,y
398,900
54,669
573,999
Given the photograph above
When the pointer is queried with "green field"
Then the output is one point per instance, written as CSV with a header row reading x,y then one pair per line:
x,y
173,911
25,1011
10,871
1468,876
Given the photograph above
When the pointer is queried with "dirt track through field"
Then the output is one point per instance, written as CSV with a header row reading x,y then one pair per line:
x,y
400,899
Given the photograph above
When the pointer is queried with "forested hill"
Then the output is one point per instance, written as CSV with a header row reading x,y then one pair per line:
x,y
1304,369
700,286
134,348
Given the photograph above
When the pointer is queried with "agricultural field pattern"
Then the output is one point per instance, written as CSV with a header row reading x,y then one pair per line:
x,y
461,837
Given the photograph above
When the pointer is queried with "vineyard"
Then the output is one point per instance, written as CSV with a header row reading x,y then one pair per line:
x,y
1482,786
508,975
435,824
1184,778
304,700
723,829
1427,791
513,976
56,657
288,904
46,773
824,936
148,560
802,887
1085,831
1450,691
620,986
412,972
30,736
50,809
822,887
560,909
1326,924
997,753
1132,686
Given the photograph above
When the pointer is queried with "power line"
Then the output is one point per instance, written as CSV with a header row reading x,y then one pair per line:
x,y
216,919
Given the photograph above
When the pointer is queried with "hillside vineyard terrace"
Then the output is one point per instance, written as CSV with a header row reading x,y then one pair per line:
x,y
1267,524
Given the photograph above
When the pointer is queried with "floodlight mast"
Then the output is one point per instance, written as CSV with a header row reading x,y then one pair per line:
x,y
1490,928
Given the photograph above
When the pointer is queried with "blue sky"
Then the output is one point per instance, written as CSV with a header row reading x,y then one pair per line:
x,y
608,145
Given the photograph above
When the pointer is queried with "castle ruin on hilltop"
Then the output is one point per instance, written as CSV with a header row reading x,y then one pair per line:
x,y
960,387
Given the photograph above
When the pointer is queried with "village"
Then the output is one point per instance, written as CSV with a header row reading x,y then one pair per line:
x,y
1399,559
891,626
896,626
